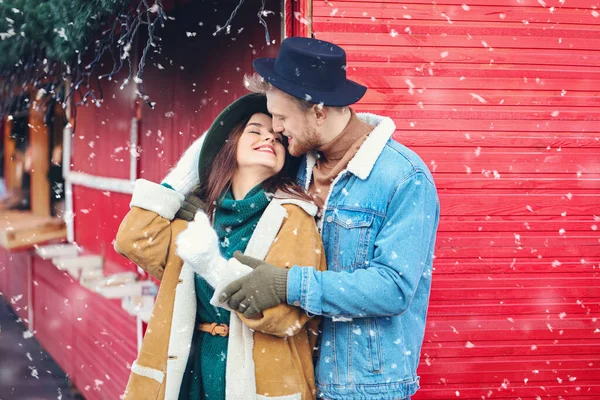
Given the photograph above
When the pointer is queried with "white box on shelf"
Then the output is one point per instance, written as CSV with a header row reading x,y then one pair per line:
x,y
86,262
139,306
57,250
124,286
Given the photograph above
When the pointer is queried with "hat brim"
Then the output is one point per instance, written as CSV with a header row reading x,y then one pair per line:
x,y
348,93
223,125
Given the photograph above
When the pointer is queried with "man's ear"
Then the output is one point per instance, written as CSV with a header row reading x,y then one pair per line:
x,y
320,113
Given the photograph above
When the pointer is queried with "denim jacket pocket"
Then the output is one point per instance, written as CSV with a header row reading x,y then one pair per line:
x,y
352,237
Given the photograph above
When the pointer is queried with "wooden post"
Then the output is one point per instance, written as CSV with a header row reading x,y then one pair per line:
x,y
9,164
40,153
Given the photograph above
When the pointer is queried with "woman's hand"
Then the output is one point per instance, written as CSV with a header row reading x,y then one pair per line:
x,y
198,246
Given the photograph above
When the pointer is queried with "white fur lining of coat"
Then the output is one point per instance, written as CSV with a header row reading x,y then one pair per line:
x,y
157,198
182,330
148,372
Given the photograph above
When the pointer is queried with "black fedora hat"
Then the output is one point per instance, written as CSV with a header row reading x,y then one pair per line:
x,y
222,127
313,70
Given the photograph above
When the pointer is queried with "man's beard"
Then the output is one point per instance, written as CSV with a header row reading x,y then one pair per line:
x,y
308,143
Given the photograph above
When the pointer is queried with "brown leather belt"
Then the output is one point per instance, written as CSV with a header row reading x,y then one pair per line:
x,y
214,329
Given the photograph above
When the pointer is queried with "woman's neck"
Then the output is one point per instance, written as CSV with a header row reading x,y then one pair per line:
x,y
242,183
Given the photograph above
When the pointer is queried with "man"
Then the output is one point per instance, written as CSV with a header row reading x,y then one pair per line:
x,y
379,213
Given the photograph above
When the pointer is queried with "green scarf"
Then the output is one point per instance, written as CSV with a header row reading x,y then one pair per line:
x,y
234,223
235,220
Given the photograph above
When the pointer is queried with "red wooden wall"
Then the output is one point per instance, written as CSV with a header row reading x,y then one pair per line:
x,y
501,99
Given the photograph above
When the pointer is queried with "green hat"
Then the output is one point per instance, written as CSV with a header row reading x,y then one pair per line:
x,y
221,128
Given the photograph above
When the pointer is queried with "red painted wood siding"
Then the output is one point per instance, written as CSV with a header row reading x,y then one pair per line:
x,y
93,339
501,99
201,75
14,281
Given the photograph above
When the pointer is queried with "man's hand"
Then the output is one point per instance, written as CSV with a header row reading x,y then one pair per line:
x,y
184,176
190,207
263,288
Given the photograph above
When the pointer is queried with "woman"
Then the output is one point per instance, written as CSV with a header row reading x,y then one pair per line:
x,y
246,178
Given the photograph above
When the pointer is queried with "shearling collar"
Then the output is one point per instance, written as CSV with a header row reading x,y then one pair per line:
x,y
364,160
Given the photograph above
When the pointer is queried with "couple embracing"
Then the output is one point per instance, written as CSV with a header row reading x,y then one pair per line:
x,y
294,244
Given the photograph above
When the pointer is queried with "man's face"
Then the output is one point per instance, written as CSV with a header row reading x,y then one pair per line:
x,y
297,125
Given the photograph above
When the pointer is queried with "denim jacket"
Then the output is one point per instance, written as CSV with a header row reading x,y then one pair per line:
x,y
378,228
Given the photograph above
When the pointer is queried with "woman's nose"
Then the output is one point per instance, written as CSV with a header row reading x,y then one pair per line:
x,y
269,137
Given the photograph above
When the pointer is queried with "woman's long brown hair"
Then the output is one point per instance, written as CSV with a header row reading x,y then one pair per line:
x,y
217,181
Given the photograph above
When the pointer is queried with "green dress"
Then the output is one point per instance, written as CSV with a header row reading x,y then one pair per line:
x,y
234,223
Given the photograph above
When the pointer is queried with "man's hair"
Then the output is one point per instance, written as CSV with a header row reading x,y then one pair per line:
x,y
257,84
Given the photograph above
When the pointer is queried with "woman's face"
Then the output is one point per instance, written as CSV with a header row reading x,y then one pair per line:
x,y
259,147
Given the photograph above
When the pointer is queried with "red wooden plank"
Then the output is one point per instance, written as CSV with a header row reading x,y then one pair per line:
x,y
490,97
477,160
457,54
522,281
442,391
523,76
488,41
538,376
564,363
497,380
516,265
509,327
498,139
516,293
513,113
476,308
452,13
543,224
518,240
483,348
518,204
513,252
456,181
504,3
457,124
326,26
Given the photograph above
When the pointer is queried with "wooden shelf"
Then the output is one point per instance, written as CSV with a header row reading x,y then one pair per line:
x,y
21,229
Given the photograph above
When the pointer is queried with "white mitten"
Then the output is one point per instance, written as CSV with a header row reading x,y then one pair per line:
x,y
184,176
198,246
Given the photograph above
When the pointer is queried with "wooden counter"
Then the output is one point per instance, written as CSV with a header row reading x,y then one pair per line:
x,y
21,229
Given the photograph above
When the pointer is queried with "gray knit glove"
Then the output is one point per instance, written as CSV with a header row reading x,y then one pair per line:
x,y
263,288
191,205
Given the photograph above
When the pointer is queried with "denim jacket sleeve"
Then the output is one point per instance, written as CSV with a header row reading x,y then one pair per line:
x,y
402,256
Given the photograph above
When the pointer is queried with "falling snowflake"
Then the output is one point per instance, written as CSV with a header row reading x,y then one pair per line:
x,y
478,98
